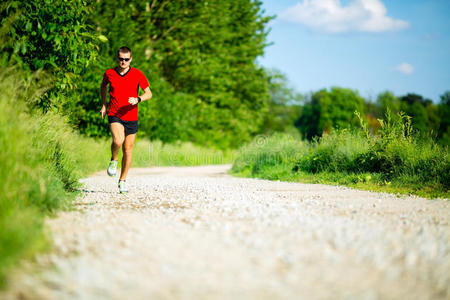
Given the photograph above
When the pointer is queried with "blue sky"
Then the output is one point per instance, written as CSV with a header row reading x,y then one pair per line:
x,y
369,45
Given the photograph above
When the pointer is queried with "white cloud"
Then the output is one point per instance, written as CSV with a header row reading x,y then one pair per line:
x,y
405,68
330,16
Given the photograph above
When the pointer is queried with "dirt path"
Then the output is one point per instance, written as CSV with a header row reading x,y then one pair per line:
x,y
198,233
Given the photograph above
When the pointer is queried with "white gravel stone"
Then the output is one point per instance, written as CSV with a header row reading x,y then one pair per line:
x,y
198,233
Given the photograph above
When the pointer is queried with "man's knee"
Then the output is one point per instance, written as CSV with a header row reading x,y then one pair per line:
x,y
118,141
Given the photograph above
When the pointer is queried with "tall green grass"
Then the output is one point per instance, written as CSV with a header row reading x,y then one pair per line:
x,y
39,168
155,153
269,157
394,160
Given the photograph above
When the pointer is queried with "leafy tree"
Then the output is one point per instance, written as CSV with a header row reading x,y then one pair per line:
x,y
284,106
425,118
387,101
434,119
444,114
50,35
200,60
330,109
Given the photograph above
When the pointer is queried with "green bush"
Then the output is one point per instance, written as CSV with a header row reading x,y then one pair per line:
x,y
398,152
332,153
396,159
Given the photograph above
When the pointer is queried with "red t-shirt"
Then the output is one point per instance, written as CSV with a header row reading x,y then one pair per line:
x,y
121,88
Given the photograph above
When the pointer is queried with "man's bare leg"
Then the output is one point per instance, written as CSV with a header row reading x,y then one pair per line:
x,y
127,150
118,137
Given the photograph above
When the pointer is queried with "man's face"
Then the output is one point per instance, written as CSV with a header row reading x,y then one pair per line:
x,y
124,60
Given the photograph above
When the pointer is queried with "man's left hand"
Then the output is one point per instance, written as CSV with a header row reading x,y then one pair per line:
x,y
133,100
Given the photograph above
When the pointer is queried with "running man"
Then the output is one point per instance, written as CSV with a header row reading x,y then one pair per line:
x,y
124,82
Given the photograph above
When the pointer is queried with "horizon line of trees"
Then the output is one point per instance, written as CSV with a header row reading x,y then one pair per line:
x,y
200,58
319,112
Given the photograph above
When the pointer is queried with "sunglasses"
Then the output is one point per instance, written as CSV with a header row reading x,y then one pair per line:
x,y
123,59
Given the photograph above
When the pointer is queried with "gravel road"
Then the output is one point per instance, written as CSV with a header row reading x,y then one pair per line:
x,y
199,233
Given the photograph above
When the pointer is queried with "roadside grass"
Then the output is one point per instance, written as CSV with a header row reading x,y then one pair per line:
x,y
395,160
146,153
155,153
42,160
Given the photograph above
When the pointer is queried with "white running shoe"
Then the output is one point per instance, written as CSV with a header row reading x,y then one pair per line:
x,y
123,187
112,168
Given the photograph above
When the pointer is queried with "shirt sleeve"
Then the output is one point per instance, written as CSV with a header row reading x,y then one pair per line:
x,y
142,80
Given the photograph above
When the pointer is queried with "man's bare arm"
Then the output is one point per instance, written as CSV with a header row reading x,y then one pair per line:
x,y
104,93
104,90
147,95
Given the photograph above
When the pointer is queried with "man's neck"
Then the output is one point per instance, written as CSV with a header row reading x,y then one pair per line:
x,y
121,71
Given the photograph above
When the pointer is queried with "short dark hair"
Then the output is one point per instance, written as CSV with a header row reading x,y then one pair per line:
x,y
123,50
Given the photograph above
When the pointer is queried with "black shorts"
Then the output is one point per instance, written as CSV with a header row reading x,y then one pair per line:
x,y
131,127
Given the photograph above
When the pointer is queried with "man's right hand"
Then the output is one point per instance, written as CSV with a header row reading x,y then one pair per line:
x,y
103,111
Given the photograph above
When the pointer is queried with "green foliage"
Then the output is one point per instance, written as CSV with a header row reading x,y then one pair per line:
x,y
396,152
333,152
423,112
50,35
329,109
396,159
285,105
387,101
444,114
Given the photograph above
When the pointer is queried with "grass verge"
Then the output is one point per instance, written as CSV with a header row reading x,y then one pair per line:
x,y
394,161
